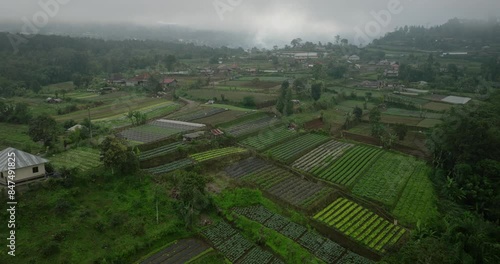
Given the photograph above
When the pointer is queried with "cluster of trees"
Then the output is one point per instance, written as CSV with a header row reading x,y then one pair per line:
x,y
466,157
53,59
467,147
18,113
116,154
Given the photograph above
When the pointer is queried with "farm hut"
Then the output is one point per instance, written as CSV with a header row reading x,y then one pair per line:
x,y
27,167
456,100
117,79
75,128
193,136
217,132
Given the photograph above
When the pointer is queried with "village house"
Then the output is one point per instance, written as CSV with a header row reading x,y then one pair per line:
x,y
168,83
117,79
391,73
371,84
139,80
193,136
305,55
28,167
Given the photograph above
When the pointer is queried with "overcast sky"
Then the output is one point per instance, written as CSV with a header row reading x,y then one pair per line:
x,y
287,19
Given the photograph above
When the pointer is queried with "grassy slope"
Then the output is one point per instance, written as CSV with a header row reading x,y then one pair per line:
x,y
97,218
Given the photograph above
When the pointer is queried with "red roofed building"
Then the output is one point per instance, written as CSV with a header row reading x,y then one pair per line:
x,y
168,83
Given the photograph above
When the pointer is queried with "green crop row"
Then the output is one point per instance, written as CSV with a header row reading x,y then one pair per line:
x,y
268,138
160,151
387,177
346,169
360,224
286,152
418,200
179,164
216,153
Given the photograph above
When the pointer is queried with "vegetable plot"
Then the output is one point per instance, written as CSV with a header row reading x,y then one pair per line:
x,y
163,150
180,252
199,114
290,150
418,201
321,155
268,138
251,126
176,165
234,246
158,130
278,182
385,180
360,224
216,153
320,246
349,167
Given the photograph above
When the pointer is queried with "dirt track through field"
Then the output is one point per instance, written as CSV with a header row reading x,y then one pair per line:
x,y
178,253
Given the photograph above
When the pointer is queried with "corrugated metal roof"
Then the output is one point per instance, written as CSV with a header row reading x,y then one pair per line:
x,y
23,159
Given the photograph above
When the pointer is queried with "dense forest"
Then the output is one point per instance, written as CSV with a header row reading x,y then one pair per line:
x,y
46,60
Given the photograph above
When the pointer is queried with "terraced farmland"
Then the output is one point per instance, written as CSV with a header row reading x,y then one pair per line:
x,y
179,252
80,158
385,180
235,247
217,153
172,166
251,126
349,167
418,201
278,182
163,150
290,150
361,224
321,247
199,114
321,155
268,138
158,130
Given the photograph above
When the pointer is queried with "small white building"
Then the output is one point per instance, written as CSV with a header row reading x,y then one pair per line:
x,y
354,58
27,166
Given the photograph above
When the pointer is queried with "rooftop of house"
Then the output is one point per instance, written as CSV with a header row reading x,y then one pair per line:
x,y
168,81
22,159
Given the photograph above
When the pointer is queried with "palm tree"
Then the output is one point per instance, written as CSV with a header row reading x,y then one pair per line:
x,y
348,120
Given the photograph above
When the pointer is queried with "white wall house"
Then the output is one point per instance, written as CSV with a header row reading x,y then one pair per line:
x,y
27,166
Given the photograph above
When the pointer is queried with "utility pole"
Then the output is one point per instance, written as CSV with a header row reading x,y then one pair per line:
x,y
90,124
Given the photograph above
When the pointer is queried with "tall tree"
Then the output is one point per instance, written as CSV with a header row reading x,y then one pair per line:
x,y
401,131
375,117
316,91
193,198
358,113
280,105
43,128
288,102
299,85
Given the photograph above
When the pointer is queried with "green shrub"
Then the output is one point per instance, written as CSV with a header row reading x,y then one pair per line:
x,y
50,249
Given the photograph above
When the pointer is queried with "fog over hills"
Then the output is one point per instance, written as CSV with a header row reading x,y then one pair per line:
x,y
236,23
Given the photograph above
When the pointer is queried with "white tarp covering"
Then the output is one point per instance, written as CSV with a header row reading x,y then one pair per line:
x,y
180,123
456,100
